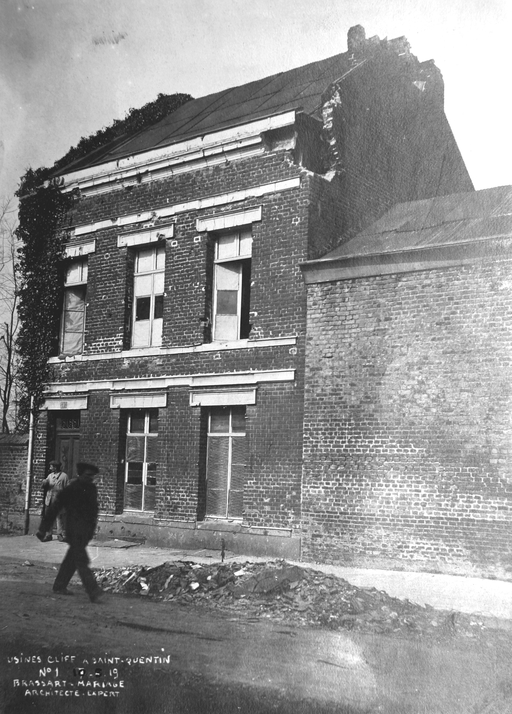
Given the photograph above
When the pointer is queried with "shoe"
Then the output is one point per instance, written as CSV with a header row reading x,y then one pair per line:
x,y
61,538
47,539
96,595
62,591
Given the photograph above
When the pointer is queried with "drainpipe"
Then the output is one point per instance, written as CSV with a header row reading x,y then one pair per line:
x,y
28,485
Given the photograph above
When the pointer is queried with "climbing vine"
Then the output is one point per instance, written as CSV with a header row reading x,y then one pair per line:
x,y
135,120
42,236
40,286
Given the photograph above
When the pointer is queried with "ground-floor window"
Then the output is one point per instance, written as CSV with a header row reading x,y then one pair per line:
x,y
141,460
226,462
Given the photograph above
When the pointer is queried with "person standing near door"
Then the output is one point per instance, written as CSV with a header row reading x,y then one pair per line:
x,y
52,485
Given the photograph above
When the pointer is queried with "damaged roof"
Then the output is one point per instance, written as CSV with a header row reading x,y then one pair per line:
x,y
298,89
434,222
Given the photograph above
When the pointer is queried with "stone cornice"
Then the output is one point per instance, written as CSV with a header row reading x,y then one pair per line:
x,y
138,384
197,152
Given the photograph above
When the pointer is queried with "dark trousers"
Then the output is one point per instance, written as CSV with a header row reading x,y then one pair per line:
x,y
76,559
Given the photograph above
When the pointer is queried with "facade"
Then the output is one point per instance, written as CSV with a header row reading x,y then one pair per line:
x,y
407,458
181,360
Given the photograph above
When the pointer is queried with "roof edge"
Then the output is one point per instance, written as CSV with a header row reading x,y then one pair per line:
x,y
105,176
405,261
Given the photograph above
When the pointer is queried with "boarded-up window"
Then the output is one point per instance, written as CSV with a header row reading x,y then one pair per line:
x,y
73,315
141,460
226,462
232,279
148,297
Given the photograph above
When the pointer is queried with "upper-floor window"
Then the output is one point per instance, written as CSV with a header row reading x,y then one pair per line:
x,y
73,315
231,285
148,297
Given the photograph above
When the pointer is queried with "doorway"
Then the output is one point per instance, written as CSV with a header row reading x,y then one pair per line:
x,y
67,441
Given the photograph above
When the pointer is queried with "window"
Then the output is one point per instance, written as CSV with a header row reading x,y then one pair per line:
x,y
148,297
141,460
226,462
73,315
231,285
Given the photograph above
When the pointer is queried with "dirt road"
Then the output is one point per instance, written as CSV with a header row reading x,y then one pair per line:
x,y
131,654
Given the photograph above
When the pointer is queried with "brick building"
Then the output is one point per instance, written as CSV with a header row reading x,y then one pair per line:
x,y
181,360
407,443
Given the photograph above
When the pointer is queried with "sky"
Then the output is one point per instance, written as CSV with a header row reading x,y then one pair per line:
x,y
70,67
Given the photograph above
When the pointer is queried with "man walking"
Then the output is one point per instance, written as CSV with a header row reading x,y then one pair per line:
x,y
80,501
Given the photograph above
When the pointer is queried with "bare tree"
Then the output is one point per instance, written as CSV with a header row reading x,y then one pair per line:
x,y
8,317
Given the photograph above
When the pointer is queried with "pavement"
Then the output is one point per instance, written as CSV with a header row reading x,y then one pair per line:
x,y
479,596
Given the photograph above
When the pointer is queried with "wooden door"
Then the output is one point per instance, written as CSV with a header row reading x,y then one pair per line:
x,y
67,441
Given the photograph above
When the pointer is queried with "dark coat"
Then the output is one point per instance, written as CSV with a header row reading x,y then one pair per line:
x,y
80,501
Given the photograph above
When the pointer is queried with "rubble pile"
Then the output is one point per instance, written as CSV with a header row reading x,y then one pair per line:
x,y
278,590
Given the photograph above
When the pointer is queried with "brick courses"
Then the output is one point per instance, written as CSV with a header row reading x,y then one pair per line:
x,y
407,421
13,475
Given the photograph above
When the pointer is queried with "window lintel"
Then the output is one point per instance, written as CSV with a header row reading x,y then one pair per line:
x,y
222,398
138,401
225,221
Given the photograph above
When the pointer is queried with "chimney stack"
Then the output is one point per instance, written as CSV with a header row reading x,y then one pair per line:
x,y
356,39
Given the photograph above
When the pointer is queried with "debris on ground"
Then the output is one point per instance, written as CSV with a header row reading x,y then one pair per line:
x,y
278,590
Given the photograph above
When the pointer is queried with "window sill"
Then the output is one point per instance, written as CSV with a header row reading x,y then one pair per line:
x,y
162,351
138,514
211,523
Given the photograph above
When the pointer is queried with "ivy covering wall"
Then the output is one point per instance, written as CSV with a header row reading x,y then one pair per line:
x,y
40,286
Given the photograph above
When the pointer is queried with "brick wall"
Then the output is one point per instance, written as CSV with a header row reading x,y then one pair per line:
x,y
13,473
274,429
182,470
231,176
100,430
280,242
393,141
407,450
